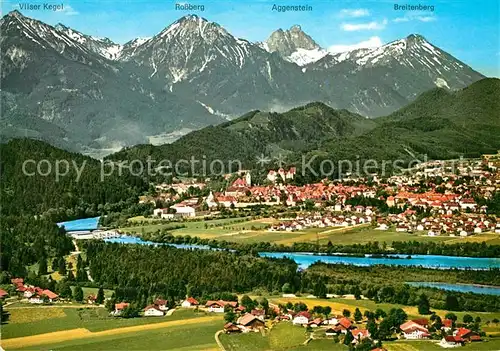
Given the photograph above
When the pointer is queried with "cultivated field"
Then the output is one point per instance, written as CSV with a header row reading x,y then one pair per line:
x,y
184,329
27,321
252,231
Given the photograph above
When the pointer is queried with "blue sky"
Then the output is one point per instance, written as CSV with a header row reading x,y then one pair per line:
x,y
467,29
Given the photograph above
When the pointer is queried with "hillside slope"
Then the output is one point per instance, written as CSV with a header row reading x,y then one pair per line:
x,y
438,125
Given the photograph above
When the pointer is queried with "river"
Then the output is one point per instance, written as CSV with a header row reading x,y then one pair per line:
x,y
304,260
464,288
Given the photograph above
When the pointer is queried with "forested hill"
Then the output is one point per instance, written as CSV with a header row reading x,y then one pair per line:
x,y
258,132
438,124
70,196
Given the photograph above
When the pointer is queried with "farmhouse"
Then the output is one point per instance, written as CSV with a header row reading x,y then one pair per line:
x,y
153,311
451,341
249,322
218,306
231,328
301,318
360,334
3,293
467,334
119,307
190,302
162,304
414,330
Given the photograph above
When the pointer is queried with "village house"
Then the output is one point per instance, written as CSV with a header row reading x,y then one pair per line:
x,y
467,334
249,322
301,318
119,307
259,313
218,306
316,322
3,294
414,329
163,213
360,334
451,341
153,311
91,299
344,325
231,328
447,325
190,302
40,294
161,304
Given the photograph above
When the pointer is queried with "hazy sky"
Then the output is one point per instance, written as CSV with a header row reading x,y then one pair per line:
x,y
467,29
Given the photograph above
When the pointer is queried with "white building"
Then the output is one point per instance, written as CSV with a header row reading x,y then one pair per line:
x,y
153,311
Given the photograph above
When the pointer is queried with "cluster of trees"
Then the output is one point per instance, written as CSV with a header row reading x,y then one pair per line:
x,y
27,240
79,189
138,272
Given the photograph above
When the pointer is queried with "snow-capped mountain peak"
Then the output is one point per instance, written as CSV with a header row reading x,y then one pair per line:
x,y
101,46
190,46
294,45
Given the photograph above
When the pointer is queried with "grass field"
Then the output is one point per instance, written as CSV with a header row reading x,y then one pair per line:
x,y
26,321
93,291
282,336
192,333
251,231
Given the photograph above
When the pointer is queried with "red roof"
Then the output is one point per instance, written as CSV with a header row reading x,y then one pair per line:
x,y
17,281
151,307
121,305
345,322
3,293
192,301
258,312
462,331
221,303
239,182
447,323
160,302
360,333
304,314
451,338
49,294
421,321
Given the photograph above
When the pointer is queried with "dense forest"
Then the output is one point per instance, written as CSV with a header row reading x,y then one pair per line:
x,y
78,193
27,240
169,271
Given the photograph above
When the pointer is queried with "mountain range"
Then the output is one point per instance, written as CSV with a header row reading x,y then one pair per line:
x,y
84,93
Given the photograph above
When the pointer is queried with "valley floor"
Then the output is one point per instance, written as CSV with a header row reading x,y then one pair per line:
x,y
83,328
251,231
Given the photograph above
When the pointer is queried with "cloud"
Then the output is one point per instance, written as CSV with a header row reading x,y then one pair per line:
x,y
350,27
415,17
373,42
354,12
401,19
426,18
68,11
